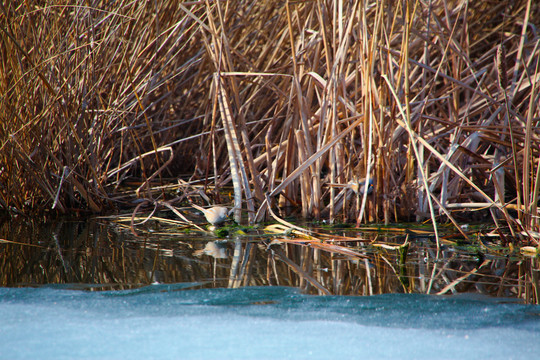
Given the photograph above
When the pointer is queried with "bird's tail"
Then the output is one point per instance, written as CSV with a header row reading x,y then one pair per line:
x,y
200,208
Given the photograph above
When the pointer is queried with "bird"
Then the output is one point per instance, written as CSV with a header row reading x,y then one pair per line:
x,y
357,186
214,215
360,185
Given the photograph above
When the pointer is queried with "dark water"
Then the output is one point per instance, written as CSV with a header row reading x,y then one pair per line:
x,y
100,255
93,289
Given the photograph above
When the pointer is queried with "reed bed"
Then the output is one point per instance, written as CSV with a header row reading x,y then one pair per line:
x,y
436,101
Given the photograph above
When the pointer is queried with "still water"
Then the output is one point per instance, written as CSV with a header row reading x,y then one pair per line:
x,y
100,255
95,290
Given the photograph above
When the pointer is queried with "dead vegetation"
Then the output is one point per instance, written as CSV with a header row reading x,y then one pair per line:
x,y
437,101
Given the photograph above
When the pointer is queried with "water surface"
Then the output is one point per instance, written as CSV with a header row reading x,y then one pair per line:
x,y
94,289
100,255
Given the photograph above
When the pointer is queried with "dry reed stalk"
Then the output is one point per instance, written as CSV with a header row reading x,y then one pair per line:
x,y
94,94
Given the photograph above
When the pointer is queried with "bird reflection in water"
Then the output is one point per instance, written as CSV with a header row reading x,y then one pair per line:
x,y
216,249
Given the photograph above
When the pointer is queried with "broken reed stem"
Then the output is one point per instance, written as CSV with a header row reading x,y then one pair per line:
x,y
503,84
232,146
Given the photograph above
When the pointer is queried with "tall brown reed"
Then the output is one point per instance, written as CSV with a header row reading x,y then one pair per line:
x,y
277,98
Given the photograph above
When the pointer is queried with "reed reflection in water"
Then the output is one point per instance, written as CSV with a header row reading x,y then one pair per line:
x,y
97,255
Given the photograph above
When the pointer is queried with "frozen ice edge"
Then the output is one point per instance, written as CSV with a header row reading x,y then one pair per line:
x,y
161,322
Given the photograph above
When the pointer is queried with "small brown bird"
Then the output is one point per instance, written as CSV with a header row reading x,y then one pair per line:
x,y
357,186
214,215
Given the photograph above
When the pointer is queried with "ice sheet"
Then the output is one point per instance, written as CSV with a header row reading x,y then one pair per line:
x,y
168,322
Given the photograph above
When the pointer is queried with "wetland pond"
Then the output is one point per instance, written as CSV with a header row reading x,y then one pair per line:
x,y
93,289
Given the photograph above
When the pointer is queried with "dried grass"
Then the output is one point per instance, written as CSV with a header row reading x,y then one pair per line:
x,y
435,100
